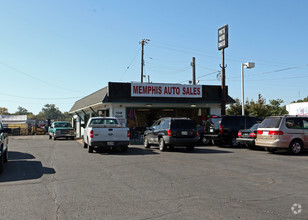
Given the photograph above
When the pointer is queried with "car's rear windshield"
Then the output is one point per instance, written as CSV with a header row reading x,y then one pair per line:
x,y
103,121
216,122
62,125
183,123
271,122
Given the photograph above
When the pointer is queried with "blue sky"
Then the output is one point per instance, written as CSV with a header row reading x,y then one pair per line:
x,y
57,51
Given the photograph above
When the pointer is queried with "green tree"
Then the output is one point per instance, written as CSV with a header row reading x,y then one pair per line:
x,y
275,109
4,111
259,108
235,108
50,111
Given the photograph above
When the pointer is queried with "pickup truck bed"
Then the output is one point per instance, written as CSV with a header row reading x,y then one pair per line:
x,y
105,132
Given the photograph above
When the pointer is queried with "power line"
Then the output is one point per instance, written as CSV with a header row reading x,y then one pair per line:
x,y
24,97
43,81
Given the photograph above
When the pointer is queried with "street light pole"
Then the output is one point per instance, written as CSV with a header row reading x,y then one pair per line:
x,y
248,65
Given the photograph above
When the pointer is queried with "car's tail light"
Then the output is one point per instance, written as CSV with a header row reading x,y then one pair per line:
x,y
259,132
221,129
91,134
169,133
275,133
239,134
204,129
197,133
128,133
253,135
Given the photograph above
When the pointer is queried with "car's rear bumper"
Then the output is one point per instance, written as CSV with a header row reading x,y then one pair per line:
x,y
246,141
277,143
109,143
181,141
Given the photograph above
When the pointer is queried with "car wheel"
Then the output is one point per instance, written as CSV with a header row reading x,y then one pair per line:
x,y
162,145
233,142
85,144
205,140
215,143
124,148
6,155
146,142
190,148
50,137
54,137
73,138
296,147
251,147
1,160
90,148
270,149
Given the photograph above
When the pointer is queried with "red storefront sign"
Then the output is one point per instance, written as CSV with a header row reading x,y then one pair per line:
x,y
165,90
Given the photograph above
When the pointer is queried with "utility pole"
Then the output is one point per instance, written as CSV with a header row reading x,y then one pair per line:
x,y
193,64
223,84
222,44
142,42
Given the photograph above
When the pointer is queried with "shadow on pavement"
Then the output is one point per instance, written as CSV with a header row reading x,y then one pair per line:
x,y
19,168
197,150
132,151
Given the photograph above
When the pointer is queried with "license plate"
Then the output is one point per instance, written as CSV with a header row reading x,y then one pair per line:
x,y
110,143
265,132
184,133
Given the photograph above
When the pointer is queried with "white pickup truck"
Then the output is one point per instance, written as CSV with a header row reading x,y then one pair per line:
x,y
105,132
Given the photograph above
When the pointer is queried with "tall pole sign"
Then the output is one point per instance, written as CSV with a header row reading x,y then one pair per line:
x,y
222,44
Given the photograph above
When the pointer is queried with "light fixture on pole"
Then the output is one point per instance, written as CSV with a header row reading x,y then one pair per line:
x,y
248,65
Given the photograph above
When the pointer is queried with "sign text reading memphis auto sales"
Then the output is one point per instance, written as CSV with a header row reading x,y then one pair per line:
x,y
165,90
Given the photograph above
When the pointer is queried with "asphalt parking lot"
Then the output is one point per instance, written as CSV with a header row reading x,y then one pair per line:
x,y
47,179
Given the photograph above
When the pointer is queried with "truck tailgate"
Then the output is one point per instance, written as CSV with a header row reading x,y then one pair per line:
x,y
110,134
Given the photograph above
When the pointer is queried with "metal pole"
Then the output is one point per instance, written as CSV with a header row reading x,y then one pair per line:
x,y
223,85
193,70
142,52
242,77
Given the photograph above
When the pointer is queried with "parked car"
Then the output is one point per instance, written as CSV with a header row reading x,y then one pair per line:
x,y
105,132
4,146
283,132
224,129
61,129
248,136
170,132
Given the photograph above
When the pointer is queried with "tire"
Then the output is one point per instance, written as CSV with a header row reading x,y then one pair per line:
x,y
296,147
1,161
250,147
85,144
162,145
50,137
171,147
190,148
90,148
146,142
233,142
6,155
205,140
215,143
124,148
54,138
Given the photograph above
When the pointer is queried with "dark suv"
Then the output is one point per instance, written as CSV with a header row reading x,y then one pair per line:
x,y
224,129
170,132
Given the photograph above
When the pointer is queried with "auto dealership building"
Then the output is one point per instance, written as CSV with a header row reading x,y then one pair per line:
x,y
138,105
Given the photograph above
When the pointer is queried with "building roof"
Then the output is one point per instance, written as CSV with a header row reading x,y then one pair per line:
x,y
121,93
13,119
90,100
